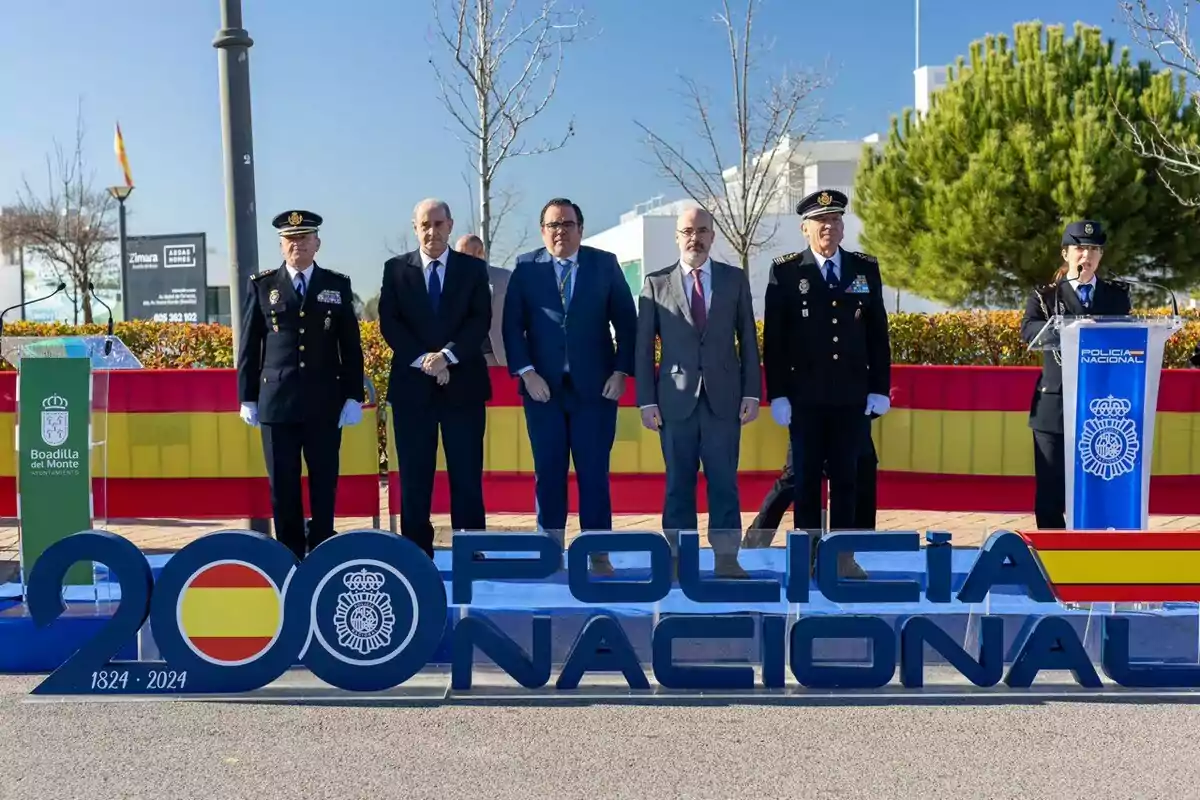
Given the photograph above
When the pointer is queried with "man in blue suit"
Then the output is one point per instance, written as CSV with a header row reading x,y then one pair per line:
x,y
563,306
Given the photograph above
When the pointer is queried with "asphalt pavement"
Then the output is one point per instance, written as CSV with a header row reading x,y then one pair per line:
x,y
1073,748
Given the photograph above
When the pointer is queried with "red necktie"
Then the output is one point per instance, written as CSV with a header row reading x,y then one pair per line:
x,y
699,313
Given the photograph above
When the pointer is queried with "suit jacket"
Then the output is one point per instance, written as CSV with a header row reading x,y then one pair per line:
x,y
539,333
493,345
723,359
823,347
1109,298
300,361
411,329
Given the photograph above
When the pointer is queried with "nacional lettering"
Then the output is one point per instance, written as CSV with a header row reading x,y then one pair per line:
x,y
1113,355
367,610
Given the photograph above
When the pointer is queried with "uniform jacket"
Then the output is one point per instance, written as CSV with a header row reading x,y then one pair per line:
x,y
822,347
723,359
411,328
1110,298
538,332
299,361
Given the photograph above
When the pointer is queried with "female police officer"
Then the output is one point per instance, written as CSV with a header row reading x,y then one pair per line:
x,y
1075,291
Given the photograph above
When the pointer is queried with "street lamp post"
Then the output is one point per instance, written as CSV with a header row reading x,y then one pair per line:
x,y
121,194
233,45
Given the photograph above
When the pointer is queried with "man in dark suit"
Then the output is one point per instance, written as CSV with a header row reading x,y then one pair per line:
x,y
563,303
827,357
707,387
493,345
300,376
434,313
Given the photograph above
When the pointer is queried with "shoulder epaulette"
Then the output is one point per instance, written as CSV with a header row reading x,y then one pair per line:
x,y
265,273
335,272
866,256
783,259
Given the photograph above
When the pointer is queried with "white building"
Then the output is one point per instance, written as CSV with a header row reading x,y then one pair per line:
x,y
644,238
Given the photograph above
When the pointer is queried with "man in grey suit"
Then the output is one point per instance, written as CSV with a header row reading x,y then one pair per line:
x,y
493,346
707,387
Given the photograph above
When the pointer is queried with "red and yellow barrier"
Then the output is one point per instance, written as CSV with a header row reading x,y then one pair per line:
x,y
1093,566
174,447
957,439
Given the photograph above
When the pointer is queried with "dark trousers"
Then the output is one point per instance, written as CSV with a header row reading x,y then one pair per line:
x,y
715,442
782,496
319,444
462,429
826,441
1050,472
565,429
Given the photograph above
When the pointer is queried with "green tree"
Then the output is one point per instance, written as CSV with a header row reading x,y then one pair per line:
x,y
966,204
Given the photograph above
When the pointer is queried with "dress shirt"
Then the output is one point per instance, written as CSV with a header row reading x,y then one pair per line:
x,y
837,263
689,281
427,270
295,274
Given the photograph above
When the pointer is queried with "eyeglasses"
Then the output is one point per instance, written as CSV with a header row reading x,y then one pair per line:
x,y
690,232
566,225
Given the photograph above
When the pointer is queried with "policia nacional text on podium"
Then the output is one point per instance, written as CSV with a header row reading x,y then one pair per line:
x,y
300,376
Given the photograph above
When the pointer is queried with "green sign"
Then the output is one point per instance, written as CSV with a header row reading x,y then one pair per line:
x,y
633,276
54,467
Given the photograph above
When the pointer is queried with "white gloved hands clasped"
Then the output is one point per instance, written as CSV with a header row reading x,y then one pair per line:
x,y
351,414
878,404
781,411
249,414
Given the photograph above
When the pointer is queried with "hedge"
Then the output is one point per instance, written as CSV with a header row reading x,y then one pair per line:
x,y
955,337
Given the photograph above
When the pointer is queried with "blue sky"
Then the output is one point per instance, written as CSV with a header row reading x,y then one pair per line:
x,y
347,120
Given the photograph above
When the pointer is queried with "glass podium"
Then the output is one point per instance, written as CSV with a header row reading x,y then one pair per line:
x,y
61,442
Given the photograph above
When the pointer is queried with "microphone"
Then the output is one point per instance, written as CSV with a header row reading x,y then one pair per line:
x,y
61,287
107,341
1160,287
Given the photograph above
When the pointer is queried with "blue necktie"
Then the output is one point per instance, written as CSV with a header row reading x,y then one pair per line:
x,y
1085,294
435,286
565,283
830,277
300,286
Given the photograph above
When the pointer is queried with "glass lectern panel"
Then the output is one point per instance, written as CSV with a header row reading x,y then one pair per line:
x,y
61,442
1050,336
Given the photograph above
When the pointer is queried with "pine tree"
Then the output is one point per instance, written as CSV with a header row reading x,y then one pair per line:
x,y
966,205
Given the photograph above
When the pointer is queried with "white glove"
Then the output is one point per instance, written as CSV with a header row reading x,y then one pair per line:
x,y
878,404
781,411
351,414
249,414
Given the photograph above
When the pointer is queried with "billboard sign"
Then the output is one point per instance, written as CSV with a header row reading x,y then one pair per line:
x,y
166,278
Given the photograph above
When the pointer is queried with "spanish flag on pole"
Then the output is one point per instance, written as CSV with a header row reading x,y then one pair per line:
x,y
119,145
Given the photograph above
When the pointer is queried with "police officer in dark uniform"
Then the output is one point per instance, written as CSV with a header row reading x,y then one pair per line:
x,y
782,494
827,360
300,375
1075,291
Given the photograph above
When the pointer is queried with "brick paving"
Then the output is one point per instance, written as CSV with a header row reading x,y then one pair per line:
x,y
967,528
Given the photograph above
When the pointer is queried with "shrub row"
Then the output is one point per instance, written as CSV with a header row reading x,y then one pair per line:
x,y
957,337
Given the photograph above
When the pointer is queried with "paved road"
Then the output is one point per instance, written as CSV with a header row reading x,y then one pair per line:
x,y
213,750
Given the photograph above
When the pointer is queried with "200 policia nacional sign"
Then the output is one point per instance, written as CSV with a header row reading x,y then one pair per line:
x,y
232,611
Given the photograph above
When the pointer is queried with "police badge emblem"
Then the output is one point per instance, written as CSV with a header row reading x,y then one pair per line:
x,y
804,286
294,218
273,297
824,198
1088,229
328,323
363,619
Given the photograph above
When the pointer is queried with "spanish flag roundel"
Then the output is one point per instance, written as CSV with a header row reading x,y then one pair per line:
x,y
230,612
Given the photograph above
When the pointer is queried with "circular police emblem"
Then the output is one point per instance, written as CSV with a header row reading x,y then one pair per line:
x,y
1108,445
364,612
804,284
1088,229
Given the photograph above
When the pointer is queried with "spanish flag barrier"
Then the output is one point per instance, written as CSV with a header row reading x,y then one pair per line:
x,y
1093,566
175,448
956,439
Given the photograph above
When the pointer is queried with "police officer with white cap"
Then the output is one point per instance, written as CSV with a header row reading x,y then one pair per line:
x,y
827,360
300,376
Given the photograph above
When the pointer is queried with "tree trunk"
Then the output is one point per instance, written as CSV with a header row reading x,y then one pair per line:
x,y
483,84
85,298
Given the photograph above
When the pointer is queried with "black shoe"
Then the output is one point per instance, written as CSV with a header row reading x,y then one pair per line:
x,y
601,567
728,567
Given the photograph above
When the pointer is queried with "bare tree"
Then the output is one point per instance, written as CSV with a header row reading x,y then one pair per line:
x,y
502,73
71,227
767,125
1166,33
504,201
